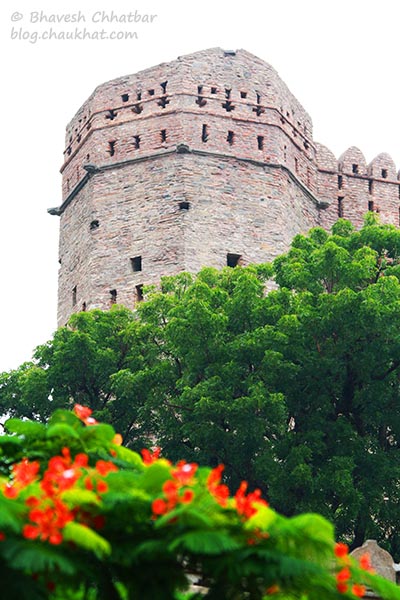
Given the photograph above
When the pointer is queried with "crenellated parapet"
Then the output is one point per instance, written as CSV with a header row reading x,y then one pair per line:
x,y
205,160
352,187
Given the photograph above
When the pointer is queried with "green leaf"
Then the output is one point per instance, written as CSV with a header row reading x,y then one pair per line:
x,y
76,497
61,430
26,428
154,477
36,557
129,456
204,542
86,538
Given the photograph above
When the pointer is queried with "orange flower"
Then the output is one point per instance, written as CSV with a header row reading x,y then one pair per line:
x,y
343,575
117,439
23,473
83,413
217,489
150,457
273,589
365,562
159,507
341,550
187,496
184,473
248,505
48,522
358,590
104,467
342,587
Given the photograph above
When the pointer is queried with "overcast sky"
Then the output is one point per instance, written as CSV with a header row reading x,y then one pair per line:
x,y
339,58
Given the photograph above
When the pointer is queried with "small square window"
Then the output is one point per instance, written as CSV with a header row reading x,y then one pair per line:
x,y
136,263
233,260
384,173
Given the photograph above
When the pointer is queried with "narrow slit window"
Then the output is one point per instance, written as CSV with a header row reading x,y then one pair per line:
x,y
227,93
139,293
370,186
136,142
340,181
139,96
111,148
260,142
199,89
340,207
204,134
371,205
354,169
113,296
230,137
84,307
124,97
136,263
74,295
164,86
163,135
233,260
258,98
384,173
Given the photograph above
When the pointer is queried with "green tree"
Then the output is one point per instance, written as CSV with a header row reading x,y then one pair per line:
x,y
296,391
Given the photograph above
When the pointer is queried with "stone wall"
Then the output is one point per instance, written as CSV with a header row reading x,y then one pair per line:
x,y
184,163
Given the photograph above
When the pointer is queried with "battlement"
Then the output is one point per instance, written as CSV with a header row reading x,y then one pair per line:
x,y
190,162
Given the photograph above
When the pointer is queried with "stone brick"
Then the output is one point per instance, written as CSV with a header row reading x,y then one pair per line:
x,y
188,161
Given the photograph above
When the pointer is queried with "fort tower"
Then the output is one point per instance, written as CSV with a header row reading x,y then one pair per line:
x,y
206,160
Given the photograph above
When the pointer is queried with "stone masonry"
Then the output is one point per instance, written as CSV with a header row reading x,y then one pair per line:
x,y
206,160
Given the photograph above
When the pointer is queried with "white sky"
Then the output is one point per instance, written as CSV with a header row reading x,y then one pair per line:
x,y
339,58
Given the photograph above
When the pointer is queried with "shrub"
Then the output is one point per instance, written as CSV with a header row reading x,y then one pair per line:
x,y
82,517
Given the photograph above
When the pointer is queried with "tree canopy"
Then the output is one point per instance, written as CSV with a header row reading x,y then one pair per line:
x,y
295,390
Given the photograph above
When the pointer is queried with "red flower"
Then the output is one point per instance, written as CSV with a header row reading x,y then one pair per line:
x,y
365,562
358,590
48,522
62,473
216,488
343,575
2,536
23,473
150,457
342,587
184,472
104,467
248,505
341,550
159,507
83,413
187,496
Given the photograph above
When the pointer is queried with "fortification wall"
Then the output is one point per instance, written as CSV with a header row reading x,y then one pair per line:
x,y
206,160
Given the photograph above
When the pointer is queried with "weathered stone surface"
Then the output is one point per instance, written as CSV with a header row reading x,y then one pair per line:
x,y
381,560
191,160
